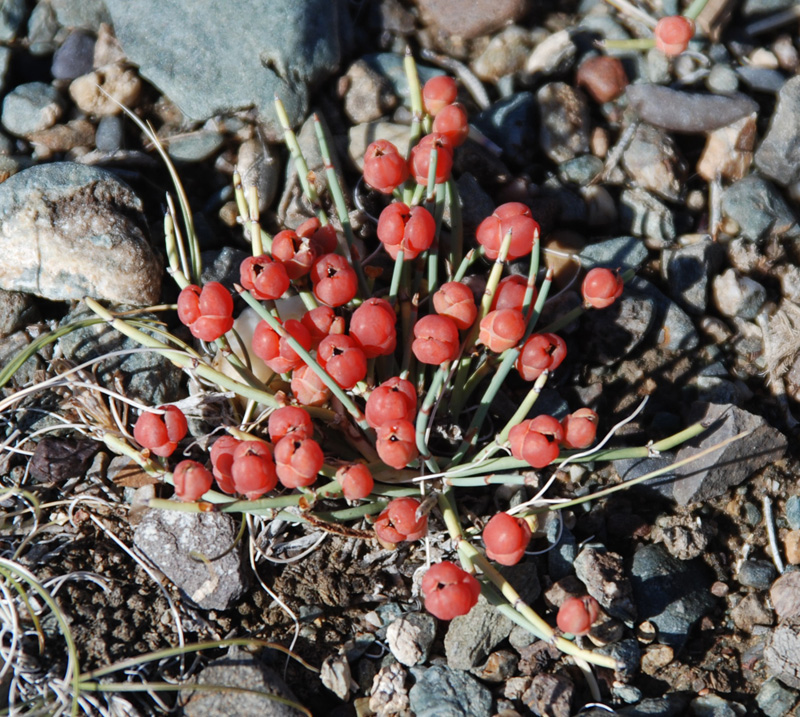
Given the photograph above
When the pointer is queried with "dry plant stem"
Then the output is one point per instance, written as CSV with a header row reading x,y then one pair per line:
x,y
415,95
769,521
629,9
424,414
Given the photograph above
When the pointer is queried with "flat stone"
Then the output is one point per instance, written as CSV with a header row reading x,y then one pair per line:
x,y
31,107
410,637
778,155
782,652
471,638
759,209
606,581
75,57
793,512
16,311
70,231
785,595
170,539
643,215
554,54
688,270
728,153
738,295
12,13
509,123
550,695
653,162
751,611
474,19
564,121
442,692
774,699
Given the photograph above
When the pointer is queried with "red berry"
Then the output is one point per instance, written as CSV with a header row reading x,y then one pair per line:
x,y
452,122
275,351
420,159
393,400
288,420
601,287
191,480
536,440
373,328
253,469
397,443
435,339
294,252
344,361
308,388
399,521
320,322
506,538
455,300
411,230
540,352
356,481
449,591
580,428
161,434
385,168
514,217
577,614
334,280
502,329
323,238
208,312
298,461
222,462
673,33
264,278
438,92
510,293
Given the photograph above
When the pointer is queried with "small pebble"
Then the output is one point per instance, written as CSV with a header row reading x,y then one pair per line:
x,y
778,155
564,128
504,55
774,699
110,133
785,595
757,574
552,55
603,77
792,512
722,79
75,57
751,611
30,108
410,638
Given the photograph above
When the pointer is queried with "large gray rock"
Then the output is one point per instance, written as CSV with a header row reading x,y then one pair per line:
x,y
69,231
442,692
281,48
778,157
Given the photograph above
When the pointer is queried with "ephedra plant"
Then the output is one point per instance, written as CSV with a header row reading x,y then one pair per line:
x,y
359,366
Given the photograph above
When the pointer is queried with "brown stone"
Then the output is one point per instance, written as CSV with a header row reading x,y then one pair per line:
x,y
91,92
729,151
785,595
470,19
791,543
603,77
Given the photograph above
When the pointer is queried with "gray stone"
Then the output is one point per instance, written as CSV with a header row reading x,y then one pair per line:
x,y
504,55
752,8
85,14
715,706
222,266
757,574
612,333
631,468
619,252
12,12
564,121
369,95
629,656
195,146
110,134
716,472
31,108
561,557
785,595
410,638
42,29
259,165
362,135
759,210
550,695
604,576
239,670
282,50
672,594
442,692
774,699
738,295
688,269
471,637
793,512
5,59
16,311
171,539
75,57
676,330
653,163
782,652
778,156
643,215
762,79
581,170
475,19
390,65
722,79
670,705
510,123
70,230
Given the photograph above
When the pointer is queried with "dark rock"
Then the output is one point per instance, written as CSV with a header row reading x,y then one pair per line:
x,y
75,57
778,156
550,695
56,460
757,574
688,270
774,699
605,580
16,311
759,210
510,123
670,705
442,692
617,253
612,333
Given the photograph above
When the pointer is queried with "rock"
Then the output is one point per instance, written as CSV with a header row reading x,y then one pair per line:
x,y
63,137
782,652
12,13
612,333
57,460
170,539
283,49
362,135
500,666
84,14
751,611
564,121
728,153
110,134
42,29
504,55
391,66
715,706
369,95
552,55
563,553
619,252
410,638
676,330
688,269
655,657
728,466
685,537
16,311
471,637
5,59
259,165
581,170
671,705
478,18
792,512
389,695
774,699
785,595
645,216
70,230
442,692
759,210
791,545
757,574
603,77
237,670
509,123
653,163
75,57
722,79
778,155
195,146
335,675
30,108
738,295
672,594
550,695
91,92
605,580
762,79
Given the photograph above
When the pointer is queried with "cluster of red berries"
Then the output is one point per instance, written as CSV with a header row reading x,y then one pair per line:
x,y
538,440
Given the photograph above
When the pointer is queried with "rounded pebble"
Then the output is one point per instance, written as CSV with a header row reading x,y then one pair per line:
x,y
31,108
75,57
757,574
722,79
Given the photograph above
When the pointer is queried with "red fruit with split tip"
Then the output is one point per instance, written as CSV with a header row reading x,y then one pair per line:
x,y
373,328
452,122
506,538
356,481
191,480
298,461
502,329
385,168
601,287
344,361
296,253
513,217
393,400
308,388
437,93
410,230
161,433
673,33
435,339
222,462
275,350
208,312
253,469
577,614
334,280
420,159
263,277
399,521
580,428
455,300
396,443
322,238
539,353
289,420
449,591
320,322
536,440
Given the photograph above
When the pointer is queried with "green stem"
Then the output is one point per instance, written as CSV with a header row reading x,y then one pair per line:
x,y
456,228
424,415
695,9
